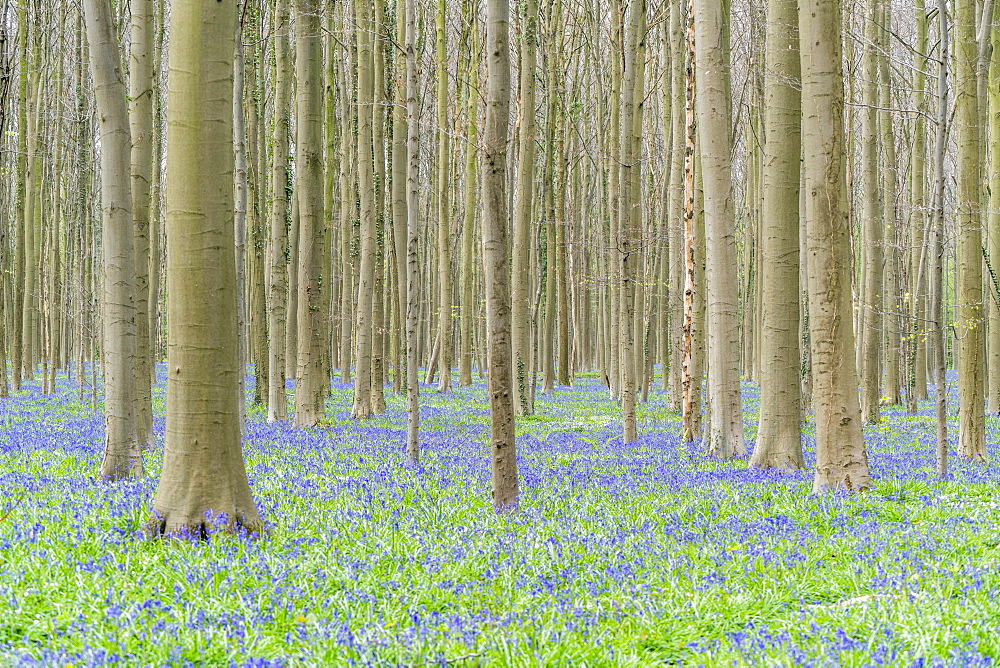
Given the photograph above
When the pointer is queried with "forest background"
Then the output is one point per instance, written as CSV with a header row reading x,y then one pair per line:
x,y
688,204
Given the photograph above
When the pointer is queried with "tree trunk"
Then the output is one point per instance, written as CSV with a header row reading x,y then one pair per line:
x,y
496,256
443,203
724,436
969,323
141,123
918,330
310,377
467,308
122,454
369,244
521,340
277,273
871,222
203,483
993,227
779,438
628,241
841,459
412,240
937,252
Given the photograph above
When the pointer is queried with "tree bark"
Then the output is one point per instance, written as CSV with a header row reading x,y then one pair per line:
x,y
277,272
841,459
203,484
779,437
969,323
366,187
871,222
523,200
496,256
141,124
443,203
724,436
310,377
122,454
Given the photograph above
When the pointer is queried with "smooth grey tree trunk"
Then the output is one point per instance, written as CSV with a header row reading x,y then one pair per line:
x,y
779,437
203,484
841,458
122,453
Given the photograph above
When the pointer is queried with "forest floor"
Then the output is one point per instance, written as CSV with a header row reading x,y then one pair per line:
x,y
620,555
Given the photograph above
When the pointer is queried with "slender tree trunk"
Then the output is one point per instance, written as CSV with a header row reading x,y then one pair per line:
x,y
310,378
277,273
467,308
443,203
628,241
496,256
918,330
259,231
399,194
675,212
521,340
20,181
969,281
369,244
891,240
937,253
841,459
993,227
378,150
241,194
122,454
871,222
724,437
412,241
779,439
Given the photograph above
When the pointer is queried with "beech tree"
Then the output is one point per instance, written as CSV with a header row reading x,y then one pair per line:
x,y
779,436
122,455
724,435
203,479
841,459
496,259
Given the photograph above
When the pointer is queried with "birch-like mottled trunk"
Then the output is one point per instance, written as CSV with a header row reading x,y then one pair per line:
x,y
122,454
675,210
412,240
691,351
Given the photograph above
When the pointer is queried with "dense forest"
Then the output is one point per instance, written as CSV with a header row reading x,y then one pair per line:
x,y
314,275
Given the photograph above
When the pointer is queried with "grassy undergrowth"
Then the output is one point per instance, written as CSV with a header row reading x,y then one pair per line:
x,y
622,555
